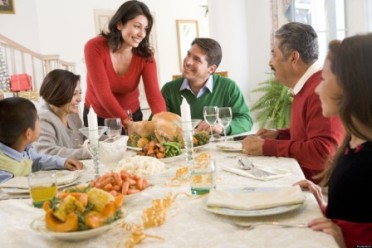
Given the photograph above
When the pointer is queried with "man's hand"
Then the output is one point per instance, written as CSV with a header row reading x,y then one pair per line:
x,y
73,164
252,145
267,133
204,126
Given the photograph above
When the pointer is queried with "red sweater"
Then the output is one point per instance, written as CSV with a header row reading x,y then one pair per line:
x,y
111,95
311,138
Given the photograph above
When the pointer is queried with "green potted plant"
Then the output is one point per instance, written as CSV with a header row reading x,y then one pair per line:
x,y
273,109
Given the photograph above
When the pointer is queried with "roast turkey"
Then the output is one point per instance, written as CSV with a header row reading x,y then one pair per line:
x,y
166,126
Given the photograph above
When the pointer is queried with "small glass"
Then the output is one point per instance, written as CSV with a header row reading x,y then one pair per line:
x,y
203,177
113,127
43,187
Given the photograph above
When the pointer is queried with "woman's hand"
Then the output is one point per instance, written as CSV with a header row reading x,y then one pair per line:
x,y
73,164
327,226
315,190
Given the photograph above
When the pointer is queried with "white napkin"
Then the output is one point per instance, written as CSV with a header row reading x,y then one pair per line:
x,y
255,200
255,173
230,146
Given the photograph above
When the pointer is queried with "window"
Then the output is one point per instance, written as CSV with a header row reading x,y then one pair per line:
x,y
369,14
328,22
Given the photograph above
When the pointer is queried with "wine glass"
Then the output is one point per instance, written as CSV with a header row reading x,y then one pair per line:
x,y
224,117
113,127
210,116
130,114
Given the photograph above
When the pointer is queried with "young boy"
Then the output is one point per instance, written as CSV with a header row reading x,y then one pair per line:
x,y
19,128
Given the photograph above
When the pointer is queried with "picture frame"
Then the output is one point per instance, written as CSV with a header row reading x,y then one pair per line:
x,y
187,31
7,7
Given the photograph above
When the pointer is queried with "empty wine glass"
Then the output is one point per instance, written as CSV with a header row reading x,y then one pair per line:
x,y
210,116
113,127
224,117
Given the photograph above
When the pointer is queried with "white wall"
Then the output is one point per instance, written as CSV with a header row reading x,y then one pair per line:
x,y
63,27
243,27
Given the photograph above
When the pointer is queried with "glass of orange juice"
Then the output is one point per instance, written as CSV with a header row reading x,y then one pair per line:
x,y
43,187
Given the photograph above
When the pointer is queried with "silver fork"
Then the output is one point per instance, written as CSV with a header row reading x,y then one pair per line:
x,y
250,226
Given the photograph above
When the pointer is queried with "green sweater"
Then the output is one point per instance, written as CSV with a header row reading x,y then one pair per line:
x,y
225,94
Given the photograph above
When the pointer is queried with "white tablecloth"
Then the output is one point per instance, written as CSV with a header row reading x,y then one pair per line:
x,y
188,224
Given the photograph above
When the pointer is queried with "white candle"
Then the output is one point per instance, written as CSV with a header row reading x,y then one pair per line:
x,y
92,126
186,115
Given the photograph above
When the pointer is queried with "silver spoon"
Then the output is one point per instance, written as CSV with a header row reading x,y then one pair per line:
x,y
250,226
245,165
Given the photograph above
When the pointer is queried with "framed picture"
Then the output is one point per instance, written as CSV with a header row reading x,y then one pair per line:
x,y
7,7
187,31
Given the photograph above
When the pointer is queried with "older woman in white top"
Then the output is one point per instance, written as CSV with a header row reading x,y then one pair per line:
x,y
59,118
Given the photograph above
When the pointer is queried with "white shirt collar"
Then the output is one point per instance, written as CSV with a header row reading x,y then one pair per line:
x,y
208,86
315,67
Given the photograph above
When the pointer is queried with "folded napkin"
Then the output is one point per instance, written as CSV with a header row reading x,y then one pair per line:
x,y
230,146
255,200
258,173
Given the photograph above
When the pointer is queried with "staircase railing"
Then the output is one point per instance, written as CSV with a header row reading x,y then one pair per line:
x,y
20,59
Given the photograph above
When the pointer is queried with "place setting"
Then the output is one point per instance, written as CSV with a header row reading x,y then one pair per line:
x,y
21,187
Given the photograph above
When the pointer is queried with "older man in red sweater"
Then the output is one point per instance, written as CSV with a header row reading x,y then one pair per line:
x,y
311,138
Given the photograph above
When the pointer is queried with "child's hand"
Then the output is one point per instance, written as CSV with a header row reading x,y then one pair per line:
x,y
73,164
315,190
327,226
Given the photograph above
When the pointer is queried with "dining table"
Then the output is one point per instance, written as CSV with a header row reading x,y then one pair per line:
x,y
188,221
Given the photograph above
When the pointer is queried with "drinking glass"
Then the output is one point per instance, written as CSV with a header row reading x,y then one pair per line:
x,y
43,187
203,177
113,127
130,114
224,117
210,116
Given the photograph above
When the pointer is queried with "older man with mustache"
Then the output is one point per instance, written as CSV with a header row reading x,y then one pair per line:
x,y
311,138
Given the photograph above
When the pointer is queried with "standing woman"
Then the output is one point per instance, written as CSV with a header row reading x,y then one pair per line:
x,y
59,116
116,60
346,92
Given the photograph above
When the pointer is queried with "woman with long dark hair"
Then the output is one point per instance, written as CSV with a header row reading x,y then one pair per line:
x,y
116,60
346,92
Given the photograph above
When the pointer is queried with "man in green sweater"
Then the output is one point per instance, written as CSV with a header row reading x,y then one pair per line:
x,y
201,87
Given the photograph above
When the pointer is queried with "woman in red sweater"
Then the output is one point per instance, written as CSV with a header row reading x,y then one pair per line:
x,y
116,60
345,91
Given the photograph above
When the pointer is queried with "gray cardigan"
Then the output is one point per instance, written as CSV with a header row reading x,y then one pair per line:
x,y
56,139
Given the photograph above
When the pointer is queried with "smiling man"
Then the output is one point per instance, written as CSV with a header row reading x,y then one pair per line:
x,y
200,86
311,138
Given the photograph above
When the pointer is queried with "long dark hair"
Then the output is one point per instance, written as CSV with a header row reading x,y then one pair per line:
x,y
355,75
350,59
127,11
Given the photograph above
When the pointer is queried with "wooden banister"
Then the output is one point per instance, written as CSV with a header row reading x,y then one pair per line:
x,y
20,59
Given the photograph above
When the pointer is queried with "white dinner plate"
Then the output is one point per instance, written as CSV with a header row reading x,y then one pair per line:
x,y
38,225
133,148
172,159
252,213
231,146
201,146
19,185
